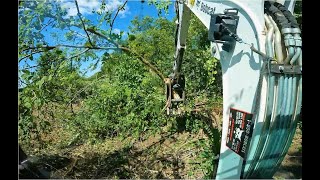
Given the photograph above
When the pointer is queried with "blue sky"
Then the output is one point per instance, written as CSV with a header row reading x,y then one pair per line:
x,y
140,9
133,8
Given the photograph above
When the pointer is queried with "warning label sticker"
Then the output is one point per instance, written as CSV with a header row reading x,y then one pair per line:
x,y
240,130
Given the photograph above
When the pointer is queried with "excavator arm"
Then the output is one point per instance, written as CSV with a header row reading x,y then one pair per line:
x,y
258,44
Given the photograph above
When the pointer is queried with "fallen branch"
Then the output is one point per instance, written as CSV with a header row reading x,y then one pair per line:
x,y
71,166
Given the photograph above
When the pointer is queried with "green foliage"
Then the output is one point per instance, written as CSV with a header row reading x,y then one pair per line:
x,y
124,99
53,83
154,41
210,146
161,5
298,12
126,102
203,72
112,111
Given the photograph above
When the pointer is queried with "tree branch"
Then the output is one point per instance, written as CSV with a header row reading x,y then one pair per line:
x,y
50,22
67,45
119,9
29,55
101,35
143,60
84,27
75,95
30,67
75,32
23,82
79,53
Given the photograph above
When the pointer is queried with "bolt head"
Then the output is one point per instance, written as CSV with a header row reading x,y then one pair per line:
x,y
213,50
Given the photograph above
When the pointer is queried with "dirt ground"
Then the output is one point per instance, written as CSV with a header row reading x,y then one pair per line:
x,y
176,155
171,156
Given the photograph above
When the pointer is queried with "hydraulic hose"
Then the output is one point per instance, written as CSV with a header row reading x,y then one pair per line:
x,y
270,102
298,43
300,59
296,55
285,121
279,109
290,121
270,28
277,42
277,15
265,129
287,14
289,43
295,30
283,139
293,127
277,127
280,123
285,27
290,55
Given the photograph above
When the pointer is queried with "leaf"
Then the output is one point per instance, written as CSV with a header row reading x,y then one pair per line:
x,y
59,52
38,102
69,36
87,44
28,105
40,83
50,77
27,102
27,72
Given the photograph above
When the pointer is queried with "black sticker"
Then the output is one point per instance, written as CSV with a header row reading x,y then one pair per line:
x,y
240,130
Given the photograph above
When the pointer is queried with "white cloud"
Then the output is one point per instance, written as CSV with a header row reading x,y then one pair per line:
x,y
116,31
87,6
124,35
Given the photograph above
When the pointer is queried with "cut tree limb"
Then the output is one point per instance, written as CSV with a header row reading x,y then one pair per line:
x,y
125,49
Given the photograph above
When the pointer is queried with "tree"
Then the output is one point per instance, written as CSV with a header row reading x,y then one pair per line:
x,y
43,15
54,80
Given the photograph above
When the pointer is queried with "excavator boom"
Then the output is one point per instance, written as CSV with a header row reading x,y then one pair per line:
x,y
258,44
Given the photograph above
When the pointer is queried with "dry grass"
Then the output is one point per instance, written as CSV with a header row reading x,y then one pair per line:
x,y
171,156
160,156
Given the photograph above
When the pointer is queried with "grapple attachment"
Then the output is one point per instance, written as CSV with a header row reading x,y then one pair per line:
x,y
175,94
